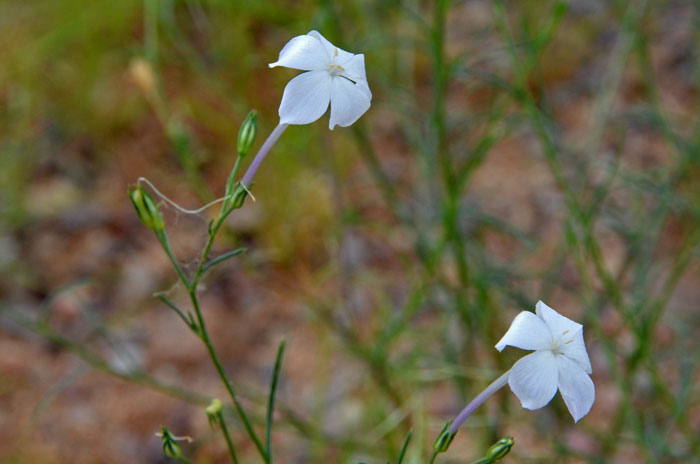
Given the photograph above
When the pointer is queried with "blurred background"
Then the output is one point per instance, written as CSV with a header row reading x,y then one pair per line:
x,y
514,151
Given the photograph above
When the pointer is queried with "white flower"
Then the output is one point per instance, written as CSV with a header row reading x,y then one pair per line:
x,y
560,361
334,76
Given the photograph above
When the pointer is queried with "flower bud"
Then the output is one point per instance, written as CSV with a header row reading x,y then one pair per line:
x,y
499,449
247,133
443,441
141,73
213,411
171,448
146,208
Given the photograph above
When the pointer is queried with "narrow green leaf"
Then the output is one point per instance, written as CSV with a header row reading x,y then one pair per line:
x,y
187,319
271,400
405,446
220,258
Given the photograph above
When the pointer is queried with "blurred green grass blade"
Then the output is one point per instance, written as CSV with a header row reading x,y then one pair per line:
x,y
271,399
405,447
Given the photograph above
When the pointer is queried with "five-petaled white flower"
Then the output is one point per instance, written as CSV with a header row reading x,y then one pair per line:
x,y
560,361
334,76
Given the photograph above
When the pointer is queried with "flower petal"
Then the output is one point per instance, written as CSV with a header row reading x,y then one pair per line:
x,y
306,98
335,54
349,101
574,348
534,379
528,332
558,324
305,53
354,69
576,387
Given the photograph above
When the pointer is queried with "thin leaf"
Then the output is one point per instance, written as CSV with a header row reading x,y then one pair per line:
x,y
271,400
187,319
405,446
220,258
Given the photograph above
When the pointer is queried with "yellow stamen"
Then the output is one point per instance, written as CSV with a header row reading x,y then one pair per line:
x,y
336,68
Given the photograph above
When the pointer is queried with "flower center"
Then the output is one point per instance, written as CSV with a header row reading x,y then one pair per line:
x,y
557,345
556,349
335,69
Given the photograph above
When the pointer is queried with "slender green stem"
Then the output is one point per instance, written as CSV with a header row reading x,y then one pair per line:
x,y
227,437
231,185
204,333
433,456
163,239
224,378
234,171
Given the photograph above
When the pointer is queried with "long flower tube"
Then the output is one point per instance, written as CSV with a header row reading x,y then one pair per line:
x,y
247,180
476,402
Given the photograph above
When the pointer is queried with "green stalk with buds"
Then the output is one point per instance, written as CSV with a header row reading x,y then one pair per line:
x,y
149,214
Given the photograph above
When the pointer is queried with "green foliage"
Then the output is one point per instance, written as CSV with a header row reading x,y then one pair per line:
x,y
514,151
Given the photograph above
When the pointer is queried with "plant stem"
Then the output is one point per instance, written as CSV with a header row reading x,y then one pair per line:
x,y
201,329
204,264
204,335
229,442
433,456
163,239
236,165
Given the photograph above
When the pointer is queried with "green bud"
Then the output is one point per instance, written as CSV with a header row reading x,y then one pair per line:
x,y
214,407
443,441
247,133
499,449
146,208
213,411
171,448
236,194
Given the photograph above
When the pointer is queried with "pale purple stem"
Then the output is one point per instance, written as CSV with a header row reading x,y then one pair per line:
x,y
476,402
262,153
